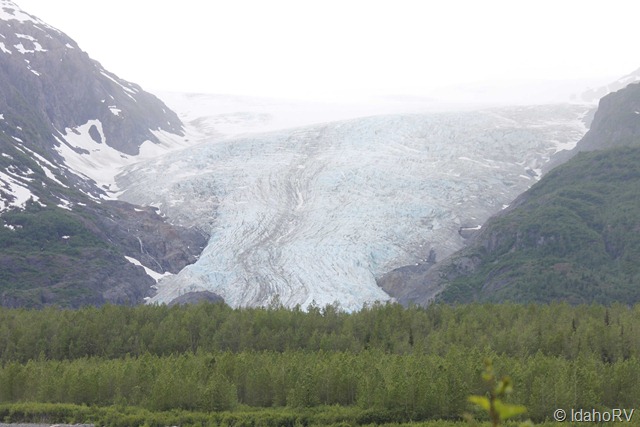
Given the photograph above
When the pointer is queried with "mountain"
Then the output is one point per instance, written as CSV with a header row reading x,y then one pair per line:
x,y
573,236
319,213
66,126
594,95
616,122
92,211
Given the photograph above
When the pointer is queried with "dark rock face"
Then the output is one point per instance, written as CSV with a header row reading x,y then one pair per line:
x,y
66,246
48,85
196,297
616,122
45,77
142,234
407,284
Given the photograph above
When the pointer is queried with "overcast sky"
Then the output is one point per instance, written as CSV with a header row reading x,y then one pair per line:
x,y
348,48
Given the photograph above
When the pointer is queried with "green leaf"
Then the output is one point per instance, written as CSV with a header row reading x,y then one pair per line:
x,y
504,387
481,401
506,410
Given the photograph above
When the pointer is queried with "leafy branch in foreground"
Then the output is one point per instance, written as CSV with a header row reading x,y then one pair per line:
x,y
492,403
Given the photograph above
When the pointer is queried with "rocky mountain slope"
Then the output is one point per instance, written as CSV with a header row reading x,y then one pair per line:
x,y
594,95
573,236
616,122
66,126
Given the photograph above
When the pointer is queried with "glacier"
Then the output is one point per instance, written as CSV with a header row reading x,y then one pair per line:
x,y
313,214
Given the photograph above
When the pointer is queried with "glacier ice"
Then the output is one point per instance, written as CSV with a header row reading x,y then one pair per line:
x,y
316,213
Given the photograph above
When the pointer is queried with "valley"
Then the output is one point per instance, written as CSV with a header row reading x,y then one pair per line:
x,y
315,214
183,259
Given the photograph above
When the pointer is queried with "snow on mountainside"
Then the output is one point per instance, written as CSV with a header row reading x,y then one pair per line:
x,y
9,11
67,126
317,213
61,104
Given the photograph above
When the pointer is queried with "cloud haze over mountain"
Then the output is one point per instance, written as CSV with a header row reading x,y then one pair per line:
x,y
334,49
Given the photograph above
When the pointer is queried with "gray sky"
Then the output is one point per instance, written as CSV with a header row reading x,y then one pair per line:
x,y
348,48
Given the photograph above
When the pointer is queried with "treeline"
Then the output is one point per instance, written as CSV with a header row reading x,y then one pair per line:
x,y
122,416
382,364
609,334
381,387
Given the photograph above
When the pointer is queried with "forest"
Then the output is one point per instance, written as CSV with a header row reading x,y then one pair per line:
x,y
209,364
573,236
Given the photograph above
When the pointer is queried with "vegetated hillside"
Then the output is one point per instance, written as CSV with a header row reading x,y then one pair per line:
x,y
66,124
574,236
70,258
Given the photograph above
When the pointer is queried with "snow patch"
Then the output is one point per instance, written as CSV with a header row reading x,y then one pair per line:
x,y
17,173
10,186
476,228
4,49
52,177
100,162
151,273
115,111
10,12
37,47
169,142
128,91
65,204
45,165
91,159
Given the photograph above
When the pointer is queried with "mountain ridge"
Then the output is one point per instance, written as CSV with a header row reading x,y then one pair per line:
x,y
66,126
